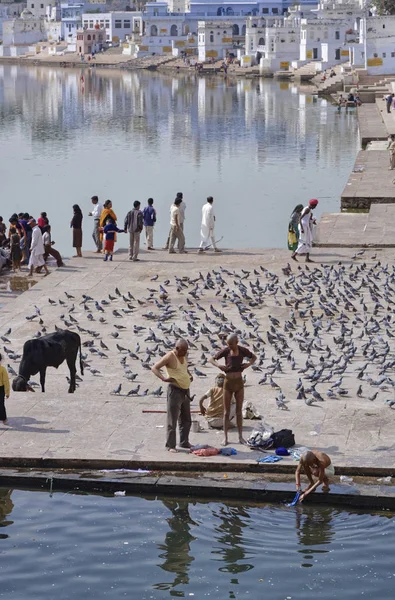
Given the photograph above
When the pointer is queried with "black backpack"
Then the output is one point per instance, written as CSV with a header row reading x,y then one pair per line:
x,y
283,439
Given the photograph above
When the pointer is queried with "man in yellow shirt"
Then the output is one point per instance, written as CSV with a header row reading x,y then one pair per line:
x,y
178,399
214,412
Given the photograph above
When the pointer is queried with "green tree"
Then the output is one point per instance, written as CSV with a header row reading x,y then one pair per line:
x,y
384,7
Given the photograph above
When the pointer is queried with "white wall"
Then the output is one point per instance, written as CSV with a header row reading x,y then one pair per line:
x,y
117,24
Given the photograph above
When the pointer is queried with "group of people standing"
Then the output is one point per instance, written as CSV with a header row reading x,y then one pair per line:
x,y
105,227
179,378
301,229
29,242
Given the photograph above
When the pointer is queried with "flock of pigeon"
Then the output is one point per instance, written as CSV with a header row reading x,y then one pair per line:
x,y
319,332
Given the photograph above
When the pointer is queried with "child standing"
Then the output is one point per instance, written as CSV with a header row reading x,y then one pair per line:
x,y
15,247
109,230
4,391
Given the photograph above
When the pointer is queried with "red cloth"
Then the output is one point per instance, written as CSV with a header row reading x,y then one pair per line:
x,y
313,202
41,222
206,452
109,245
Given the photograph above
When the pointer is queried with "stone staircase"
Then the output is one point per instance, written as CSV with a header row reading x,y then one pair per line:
x,y
306,72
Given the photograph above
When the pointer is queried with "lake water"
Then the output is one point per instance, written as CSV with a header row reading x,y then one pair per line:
x,y
79,546
258,146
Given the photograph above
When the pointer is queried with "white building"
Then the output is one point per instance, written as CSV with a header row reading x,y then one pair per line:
x,y
378,41
328,38
118,24
22,31
179,6
273,43
215,39
39,7
9,11
71,18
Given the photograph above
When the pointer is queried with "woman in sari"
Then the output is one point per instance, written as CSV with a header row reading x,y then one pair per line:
x,y
105,213
76,225
293,228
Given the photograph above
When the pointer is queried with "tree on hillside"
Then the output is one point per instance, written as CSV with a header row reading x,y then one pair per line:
x,y
384,7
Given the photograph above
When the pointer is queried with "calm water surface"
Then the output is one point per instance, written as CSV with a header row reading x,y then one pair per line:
x,y
258,147
80,546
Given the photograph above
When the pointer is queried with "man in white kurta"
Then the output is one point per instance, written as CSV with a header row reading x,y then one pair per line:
x,y
207,227
36,249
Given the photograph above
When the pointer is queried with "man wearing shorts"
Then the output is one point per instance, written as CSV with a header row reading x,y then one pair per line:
x,y
318,464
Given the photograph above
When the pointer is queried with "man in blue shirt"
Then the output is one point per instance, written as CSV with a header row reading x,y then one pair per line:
x,y
149,214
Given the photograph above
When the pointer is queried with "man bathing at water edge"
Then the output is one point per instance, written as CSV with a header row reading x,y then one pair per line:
x,y
178,398
317,463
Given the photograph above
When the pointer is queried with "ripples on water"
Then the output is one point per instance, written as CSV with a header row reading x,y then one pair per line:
x,y
259,147
80,546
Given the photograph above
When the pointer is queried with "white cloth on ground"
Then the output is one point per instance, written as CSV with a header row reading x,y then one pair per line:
x,y
37,248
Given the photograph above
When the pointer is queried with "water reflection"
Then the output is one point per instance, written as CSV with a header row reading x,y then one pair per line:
x,y
313,528
175,551
6,508
231,547
253,144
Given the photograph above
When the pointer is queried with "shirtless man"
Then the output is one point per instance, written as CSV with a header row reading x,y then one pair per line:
x,y
315,463
178,399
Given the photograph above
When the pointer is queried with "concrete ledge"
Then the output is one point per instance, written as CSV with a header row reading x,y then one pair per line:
x,y
181,467
371,124
371,181
215,486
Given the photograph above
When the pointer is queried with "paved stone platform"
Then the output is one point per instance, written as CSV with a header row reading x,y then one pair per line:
x,y
93,424
358,230
371,181
371,123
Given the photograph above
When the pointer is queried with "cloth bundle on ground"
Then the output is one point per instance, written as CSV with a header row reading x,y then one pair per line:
x,y
228,451
283,438
250,412
265,438
261,436
269,459
209,451
282,451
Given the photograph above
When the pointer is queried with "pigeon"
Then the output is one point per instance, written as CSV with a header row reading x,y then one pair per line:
x,y
359,391
309,402
121,348
390,403
95,371
134,391
372,398
199,373
158,392
117,389
281,404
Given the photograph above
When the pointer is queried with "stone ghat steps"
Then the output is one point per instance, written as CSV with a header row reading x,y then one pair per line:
x,y
375,229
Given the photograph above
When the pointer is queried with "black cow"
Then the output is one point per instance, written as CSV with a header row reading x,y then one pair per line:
x,y
48,351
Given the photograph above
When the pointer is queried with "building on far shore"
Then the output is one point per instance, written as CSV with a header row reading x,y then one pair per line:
x,y
26,29
90,40
118,24
215,39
